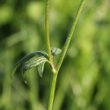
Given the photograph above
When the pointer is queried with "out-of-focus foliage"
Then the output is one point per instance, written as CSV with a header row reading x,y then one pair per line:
x,y
84,79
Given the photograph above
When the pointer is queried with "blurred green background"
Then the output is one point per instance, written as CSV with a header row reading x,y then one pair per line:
x,y
84,78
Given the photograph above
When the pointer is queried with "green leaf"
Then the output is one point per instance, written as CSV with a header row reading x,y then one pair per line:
x,y
40,69
35,59
34,62
55,51
30,61
27,57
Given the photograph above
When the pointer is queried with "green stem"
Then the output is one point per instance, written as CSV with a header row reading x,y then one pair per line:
x,y
47,32
67,43
52,92
66,46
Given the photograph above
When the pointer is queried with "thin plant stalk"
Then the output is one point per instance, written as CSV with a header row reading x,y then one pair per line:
x,y
52,91
47,31
68,41
66,46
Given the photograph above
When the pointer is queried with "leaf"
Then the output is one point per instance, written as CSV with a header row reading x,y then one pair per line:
x,y
33,63
27,57
55,51
40,69
35,59
30,60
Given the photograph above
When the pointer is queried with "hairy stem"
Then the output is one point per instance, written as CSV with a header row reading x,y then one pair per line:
x,y
47,31
67,43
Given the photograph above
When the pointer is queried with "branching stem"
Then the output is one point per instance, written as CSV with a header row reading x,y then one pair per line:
x,y
66,46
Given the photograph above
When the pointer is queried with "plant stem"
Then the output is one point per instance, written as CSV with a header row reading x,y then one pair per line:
x,y
66,46
52,92
47,32
67,43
